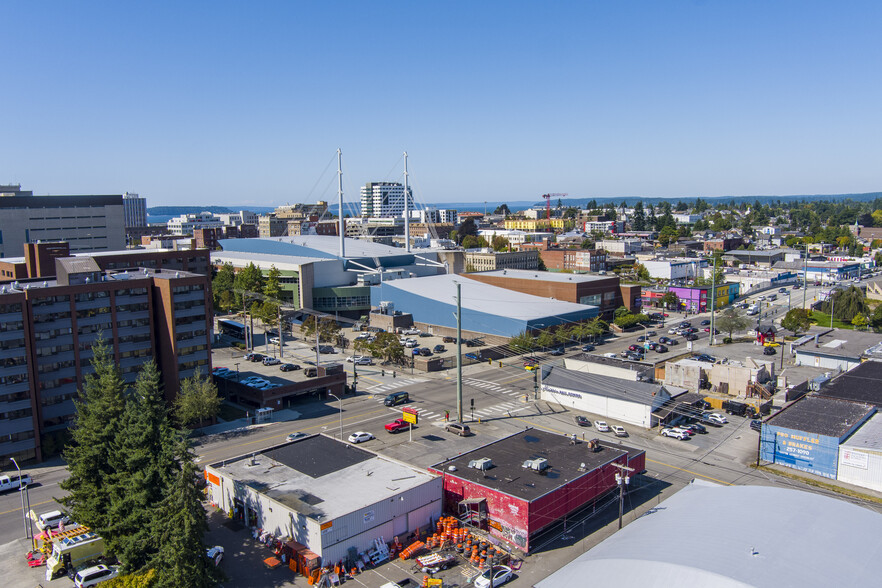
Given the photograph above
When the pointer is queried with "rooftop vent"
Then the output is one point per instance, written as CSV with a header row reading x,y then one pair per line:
x,y
485,463
539,464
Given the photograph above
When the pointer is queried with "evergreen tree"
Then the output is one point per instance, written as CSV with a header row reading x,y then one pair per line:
x,y
638,221
144,465
179,530
651,220
249,279
89,455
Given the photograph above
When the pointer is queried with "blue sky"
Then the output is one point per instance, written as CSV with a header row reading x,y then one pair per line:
x,y
237,103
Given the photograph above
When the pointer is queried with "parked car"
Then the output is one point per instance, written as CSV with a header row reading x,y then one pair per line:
x,y
556,351
425,352
634,347
715,417
95,575
756,425
449,339
289,367
695,428
610,355
255,357
397,426
642,338
51,519
360,360
324,349
271,361
782,290
310,372
651,345
674,331
768,350
458,428
633,356
410,331
411,343
686,324
501,575
690,337
295,436
705,357
661,348
681,435
601,426
275,340
651,334
360,437
619,431
582,421
215,554
473,356
439,349
588,347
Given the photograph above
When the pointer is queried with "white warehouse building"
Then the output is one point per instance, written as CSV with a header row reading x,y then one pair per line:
x,y
326,494
675,270
626,401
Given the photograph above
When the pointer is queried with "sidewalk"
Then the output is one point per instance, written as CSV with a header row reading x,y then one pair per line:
x,y
279,416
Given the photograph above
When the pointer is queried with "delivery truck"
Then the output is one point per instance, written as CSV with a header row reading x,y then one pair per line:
x,y
72,552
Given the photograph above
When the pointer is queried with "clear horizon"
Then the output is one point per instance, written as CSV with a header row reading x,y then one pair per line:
x,y
232,105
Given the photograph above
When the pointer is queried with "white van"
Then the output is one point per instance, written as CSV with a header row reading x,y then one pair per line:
x,y
51,519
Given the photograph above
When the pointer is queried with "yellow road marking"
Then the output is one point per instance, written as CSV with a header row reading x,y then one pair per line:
x,y
19,508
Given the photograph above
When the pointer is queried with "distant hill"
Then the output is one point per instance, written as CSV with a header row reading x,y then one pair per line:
x,y
179,210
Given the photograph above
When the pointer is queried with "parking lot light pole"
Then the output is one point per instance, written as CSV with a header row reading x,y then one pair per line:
x,y
24,518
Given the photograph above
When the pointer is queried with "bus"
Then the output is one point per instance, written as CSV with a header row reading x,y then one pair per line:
x,y
234,329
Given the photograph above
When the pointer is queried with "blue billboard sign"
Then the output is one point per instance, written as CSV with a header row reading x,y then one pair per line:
x,y
809,452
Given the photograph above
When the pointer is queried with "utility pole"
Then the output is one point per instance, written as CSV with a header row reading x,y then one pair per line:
x,y
805,276
622,479
713,300
832,306
459,352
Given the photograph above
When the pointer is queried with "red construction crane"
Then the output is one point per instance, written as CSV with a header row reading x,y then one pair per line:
x,y
548,198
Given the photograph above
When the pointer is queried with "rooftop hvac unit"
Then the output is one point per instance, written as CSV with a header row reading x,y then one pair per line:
x,y
387,307
485,463
818,383
540,464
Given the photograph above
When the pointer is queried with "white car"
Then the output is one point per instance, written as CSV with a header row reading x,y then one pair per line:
x,y
610,355
360,437
51,519
601,426
360,360
716,417
681,435
411,343
619,431
363,336
271,361
673,331
410,332
274,340
295,436
501,575
95,575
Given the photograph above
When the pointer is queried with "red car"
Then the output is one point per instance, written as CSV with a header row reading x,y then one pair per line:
x,y
634,347
397,425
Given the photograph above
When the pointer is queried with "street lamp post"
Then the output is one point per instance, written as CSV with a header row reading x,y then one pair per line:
x,y
341,412
24,518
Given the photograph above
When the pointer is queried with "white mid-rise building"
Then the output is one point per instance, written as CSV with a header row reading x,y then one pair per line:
x,y
675,270
515,238
434,215
185,223
243,217
621,246
682,218
384,199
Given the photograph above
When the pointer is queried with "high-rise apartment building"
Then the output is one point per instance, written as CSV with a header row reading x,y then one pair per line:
x,y
48,327
88,223
134,210
384,199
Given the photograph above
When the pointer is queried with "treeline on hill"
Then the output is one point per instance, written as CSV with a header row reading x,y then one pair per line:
x,y
133,479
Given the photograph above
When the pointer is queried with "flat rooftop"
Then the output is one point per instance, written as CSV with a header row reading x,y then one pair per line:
x,y
607,386
861,384
509,454
323,478
842,343
560,277
869,436
822,416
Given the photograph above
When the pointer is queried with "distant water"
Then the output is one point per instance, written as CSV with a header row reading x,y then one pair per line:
x,y
155,219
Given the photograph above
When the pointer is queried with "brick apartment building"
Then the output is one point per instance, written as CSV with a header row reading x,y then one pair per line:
x,y
578,260
48,326
207,238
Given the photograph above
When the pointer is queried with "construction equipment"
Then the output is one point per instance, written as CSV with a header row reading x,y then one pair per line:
x,y
548,198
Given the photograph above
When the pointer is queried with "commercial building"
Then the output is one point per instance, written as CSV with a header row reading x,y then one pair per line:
x,y
822,271
49,327
384,199
805,539
315,277
485,309
838,349
327,495
765,258
627,401
860,456
88,223
210,238
604,226
270,225
235,219
434,215
698,298
534,225
725,244
518,486
806,435
485,260
184,224
517,239
603,292
134,210
681,269
574,260
621,247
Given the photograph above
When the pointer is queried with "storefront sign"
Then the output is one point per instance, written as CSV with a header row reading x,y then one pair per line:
x,y
855,459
